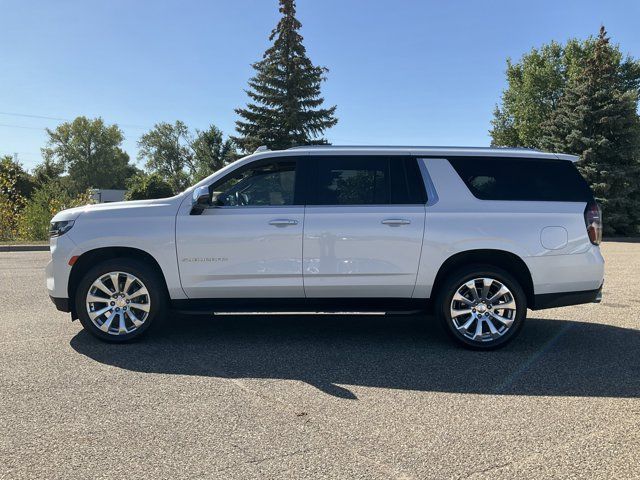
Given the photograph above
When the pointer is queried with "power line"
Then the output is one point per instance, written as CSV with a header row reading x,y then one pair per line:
x,y
33,116
59,119
20,126
20,153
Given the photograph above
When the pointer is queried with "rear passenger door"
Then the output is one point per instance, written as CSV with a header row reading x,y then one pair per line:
x,y
364,224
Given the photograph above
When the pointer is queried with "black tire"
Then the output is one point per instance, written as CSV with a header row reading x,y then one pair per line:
x,y
456,280
157,297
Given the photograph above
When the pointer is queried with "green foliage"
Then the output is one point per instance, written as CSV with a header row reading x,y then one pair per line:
x,y
147,186
285,93
9,168
90,152
14,186
181,158
538,81
211,152
597,118
46,201
535,85
165,148
47,171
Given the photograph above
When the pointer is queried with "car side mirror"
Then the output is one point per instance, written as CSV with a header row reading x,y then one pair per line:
x,y
200,200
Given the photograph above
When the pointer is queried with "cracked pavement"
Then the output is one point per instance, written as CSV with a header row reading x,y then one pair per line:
x,y
328,396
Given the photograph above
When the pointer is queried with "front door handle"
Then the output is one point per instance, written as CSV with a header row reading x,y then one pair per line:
x,y
283,222
396,222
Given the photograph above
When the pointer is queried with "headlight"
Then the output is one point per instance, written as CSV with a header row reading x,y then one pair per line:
x,y
60,228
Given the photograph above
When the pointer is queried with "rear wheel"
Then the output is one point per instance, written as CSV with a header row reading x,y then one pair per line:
x,y
482,307
119,299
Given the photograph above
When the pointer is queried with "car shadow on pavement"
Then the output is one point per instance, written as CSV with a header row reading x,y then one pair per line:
x,y
333,352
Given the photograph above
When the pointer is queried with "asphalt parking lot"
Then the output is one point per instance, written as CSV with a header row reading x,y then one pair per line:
x,y
320,396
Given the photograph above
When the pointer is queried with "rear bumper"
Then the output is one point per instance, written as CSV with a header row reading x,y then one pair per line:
x,y
576,272
61,304
564,299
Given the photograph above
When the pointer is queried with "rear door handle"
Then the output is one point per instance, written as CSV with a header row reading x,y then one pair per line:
x,y
396,222
283,222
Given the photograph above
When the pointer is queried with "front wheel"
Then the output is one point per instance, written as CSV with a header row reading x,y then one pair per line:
x,y
482,307
119,299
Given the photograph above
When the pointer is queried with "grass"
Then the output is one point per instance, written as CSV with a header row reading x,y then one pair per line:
x,y
24,242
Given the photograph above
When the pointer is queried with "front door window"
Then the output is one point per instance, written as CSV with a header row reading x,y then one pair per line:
x,y
268,184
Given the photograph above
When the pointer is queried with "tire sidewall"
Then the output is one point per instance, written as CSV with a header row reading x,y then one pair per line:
x,y
157,297
456,279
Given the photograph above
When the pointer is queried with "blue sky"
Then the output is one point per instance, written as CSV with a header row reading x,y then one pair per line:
x,y
401,72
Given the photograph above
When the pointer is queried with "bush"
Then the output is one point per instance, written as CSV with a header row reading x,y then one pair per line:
x,y
9,214
46,201
14,184
145,187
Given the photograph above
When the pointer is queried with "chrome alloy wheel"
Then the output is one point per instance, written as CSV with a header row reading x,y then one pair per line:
x,y
483,309
118,303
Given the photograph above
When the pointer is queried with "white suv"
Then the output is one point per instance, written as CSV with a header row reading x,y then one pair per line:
x,y
477,235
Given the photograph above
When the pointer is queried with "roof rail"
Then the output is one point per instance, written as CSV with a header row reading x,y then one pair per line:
x,y
298,147
417,147
530,149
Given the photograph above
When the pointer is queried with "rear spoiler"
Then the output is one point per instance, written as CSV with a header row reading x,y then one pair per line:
x,y
566,156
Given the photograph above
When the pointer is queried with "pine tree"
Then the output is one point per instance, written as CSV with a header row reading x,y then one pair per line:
x,y
285,98
597,119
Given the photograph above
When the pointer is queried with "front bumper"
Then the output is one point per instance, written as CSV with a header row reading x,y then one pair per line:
x,y
58,269
61,304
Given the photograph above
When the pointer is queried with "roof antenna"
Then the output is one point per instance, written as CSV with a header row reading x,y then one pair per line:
x,y
261,148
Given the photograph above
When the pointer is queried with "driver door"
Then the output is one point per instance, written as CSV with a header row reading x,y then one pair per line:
x,y
248,243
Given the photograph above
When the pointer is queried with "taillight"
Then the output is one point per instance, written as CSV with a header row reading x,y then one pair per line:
x,y
593,221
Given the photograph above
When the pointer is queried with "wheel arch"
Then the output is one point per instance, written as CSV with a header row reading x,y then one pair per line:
x,y
92,257
503,259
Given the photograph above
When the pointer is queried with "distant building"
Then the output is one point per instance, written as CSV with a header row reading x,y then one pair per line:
x,y
100,195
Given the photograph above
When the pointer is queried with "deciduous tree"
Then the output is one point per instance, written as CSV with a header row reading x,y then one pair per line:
x,y
181,157
90,152
211,152
166,150
147,186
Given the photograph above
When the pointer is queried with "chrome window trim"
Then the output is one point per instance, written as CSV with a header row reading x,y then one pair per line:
x,y
222,207
390,205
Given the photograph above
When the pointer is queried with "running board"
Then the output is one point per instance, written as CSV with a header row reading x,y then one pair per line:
x,y
301,306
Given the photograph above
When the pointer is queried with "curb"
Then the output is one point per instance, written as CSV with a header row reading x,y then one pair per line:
x,y
622,239
24,248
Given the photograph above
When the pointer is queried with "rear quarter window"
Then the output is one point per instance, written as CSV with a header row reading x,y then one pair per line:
x,y
528,179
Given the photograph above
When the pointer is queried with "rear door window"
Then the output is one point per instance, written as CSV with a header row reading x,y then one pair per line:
x,y
528,179
373,180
